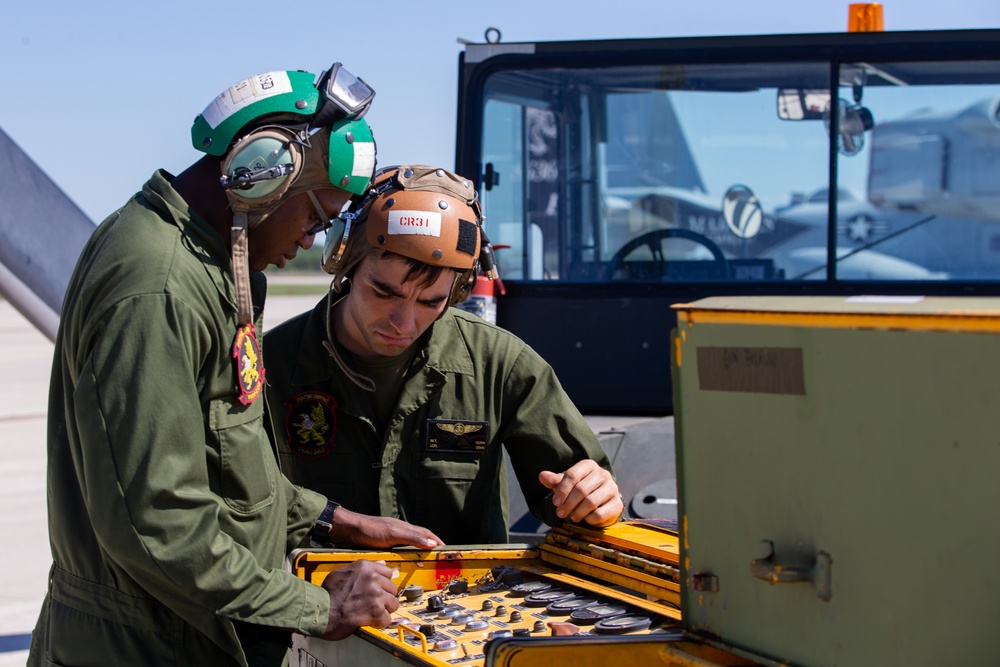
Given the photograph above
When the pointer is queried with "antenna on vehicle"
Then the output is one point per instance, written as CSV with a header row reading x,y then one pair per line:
x,y
492,36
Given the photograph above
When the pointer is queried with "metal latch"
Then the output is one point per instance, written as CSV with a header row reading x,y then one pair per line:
x,y
705,582
767,569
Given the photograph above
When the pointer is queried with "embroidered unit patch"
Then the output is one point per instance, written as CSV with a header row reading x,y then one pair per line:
x,y
249,364
311,424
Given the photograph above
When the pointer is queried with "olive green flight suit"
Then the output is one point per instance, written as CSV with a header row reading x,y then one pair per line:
x,y
169,519
472,390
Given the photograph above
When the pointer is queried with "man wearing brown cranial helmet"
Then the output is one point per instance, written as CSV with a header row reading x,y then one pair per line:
x,y
394,403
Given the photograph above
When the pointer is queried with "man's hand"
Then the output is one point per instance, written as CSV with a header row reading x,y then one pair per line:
x,y
378,532
586,493
361,593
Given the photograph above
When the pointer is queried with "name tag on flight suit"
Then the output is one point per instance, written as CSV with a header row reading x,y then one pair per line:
x,y
446,435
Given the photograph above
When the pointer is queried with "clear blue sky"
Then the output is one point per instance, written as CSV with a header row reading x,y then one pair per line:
x,y
101,93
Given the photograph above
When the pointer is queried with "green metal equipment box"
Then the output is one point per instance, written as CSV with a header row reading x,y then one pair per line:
x,y
837,465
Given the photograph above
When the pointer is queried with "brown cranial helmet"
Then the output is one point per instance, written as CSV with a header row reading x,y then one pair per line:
x,y
425,213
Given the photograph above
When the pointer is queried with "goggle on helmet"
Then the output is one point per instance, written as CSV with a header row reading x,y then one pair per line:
x,y
427,214
262,165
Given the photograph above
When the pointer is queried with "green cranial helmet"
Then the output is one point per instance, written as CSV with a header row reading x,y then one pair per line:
x,y
281,134
239,105
297,105
337,95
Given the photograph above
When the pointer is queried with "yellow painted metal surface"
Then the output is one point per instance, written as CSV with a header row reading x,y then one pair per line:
x,y
638,651
630,565
429,569
968,315
635,537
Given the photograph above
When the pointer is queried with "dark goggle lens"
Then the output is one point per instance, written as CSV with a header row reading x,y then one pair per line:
x,y
320,227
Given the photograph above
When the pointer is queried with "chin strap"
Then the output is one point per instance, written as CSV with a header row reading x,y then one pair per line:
x,y
363,381
241,267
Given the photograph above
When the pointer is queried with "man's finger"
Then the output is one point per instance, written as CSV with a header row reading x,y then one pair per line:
x,y
549,480
588,496
606,514
429,539
420,538
579,483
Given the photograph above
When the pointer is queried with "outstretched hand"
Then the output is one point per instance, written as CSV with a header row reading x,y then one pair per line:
x,y
361,593
586,493
379,532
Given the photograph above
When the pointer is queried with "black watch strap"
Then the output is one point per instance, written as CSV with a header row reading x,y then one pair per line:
x,y
319,536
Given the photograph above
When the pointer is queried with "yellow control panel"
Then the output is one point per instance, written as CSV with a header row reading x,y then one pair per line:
x,y
458,606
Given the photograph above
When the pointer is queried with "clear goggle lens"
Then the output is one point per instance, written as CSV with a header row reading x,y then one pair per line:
x,y
348,93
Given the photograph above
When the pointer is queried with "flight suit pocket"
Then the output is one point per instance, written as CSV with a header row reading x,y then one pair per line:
x,y
450,465
247,470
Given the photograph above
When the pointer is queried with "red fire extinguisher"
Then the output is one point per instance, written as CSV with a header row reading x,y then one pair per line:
x,y
482,300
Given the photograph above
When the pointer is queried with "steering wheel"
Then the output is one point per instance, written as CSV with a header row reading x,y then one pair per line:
x,y
654,241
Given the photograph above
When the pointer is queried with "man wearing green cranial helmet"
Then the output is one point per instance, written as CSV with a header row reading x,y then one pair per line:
x,y
281,135
169,520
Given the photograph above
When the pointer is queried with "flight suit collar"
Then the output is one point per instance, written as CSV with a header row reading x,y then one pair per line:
x,y
201,240
446,348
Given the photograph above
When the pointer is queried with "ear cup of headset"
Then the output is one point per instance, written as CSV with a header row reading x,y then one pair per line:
x,y
263,148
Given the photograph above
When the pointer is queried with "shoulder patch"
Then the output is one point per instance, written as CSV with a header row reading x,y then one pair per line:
x,y
311,424
249,365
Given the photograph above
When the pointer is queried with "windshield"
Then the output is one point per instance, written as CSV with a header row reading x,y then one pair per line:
x,y
703,173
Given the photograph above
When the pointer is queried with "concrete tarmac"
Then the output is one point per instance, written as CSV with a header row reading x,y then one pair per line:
x,y
25,359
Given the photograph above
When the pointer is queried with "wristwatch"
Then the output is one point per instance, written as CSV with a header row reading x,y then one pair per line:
x,y
319,536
